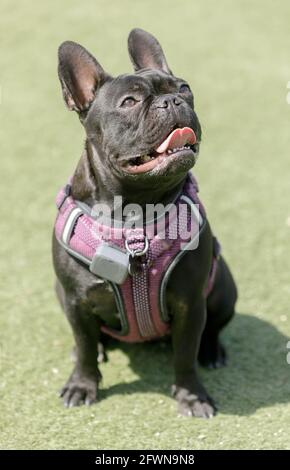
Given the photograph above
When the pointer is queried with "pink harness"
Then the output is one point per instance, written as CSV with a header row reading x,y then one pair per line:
x,y
140,298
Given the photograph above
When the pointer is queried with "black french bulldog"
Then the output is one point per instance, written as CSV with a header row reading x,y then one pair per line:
x,y
126,118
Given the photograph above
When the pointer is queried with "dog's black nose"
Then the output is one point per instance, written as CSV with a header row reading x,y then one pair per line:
x,y
165,101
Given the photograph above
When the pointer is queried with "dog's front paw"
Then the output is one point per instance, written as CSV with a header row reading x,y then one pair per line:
x,y
191,404
80,389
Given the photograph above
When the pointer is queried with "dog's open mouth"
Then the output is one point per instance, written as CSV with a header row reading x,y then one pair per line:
x,y
179,143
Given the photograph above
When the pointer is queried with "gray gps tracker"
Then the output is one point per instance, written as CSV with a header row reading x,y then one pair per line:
x,y
111,263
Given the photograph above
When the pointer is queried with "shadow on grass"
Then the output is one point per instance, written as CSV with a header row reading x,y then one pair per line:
x,y
257,374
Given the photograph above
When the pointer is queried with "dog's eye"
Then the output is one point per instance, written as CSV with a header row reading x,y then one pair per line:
x,y
129,102
184,88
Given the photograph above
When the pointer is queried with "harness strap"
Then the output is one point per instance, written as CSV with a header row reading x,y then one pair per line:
x,y
137,244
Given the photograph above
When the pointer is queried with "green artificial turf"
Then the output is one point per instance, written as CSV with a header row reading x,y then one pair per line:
x,y
236,56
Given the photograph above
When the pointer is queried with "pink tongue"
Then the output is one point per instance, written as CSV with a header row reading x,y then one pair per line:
x,y
178,138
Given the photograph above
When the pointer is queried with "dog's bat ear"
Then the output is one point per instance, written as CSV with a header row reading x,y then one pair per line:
x,y
146,52
80,75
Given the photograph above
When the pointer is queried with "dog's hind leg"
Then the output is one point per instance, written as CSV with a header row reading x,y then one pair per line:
x,y
220,309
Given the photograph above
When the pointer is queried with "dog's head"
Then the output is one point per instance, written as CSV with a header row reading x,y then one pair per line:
x,y
141,127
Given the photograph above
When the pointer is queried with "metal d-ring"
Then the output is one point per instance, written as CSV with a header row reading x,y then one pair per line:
x,y
137,252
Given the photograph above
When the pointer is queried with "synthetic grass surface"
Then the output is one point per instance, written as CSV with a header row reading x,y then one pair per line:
x,y
236,57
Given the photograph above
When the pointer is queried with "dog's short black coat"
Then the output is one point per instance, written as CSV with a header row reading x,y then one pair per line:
x,y
125,117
